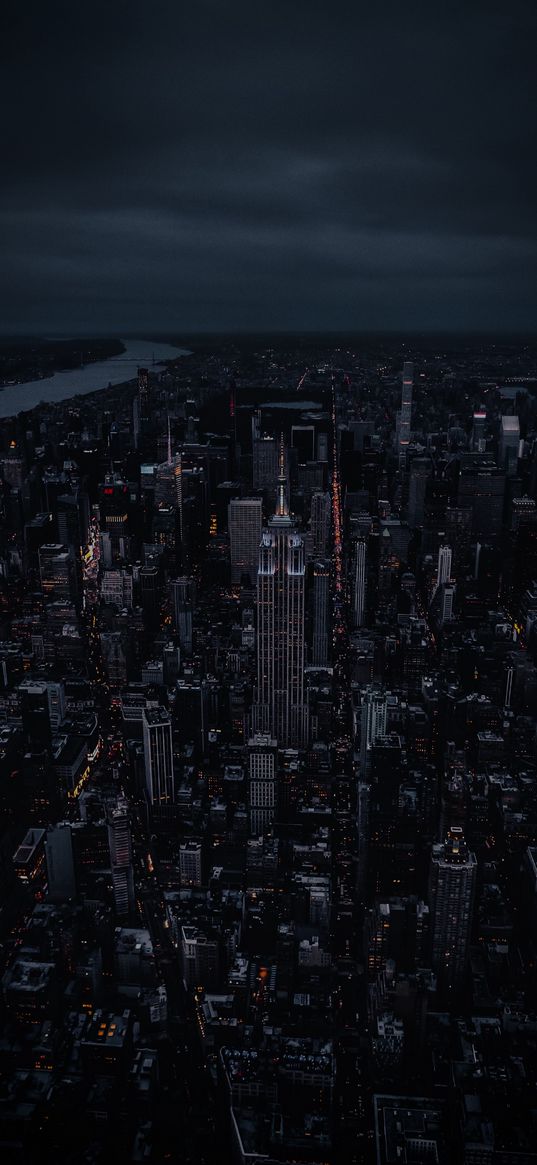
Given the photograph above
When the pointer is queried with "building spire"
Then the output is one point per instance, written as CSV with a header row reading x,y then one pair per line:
x,y
281,504
169,442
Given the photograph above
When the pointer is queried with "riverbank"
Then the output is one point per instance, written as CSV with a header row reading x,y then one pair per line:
x,y
64,385
26,360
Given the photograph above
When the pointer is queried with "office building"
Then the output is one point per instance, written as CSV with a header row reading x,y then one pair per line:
x,y
264,456
192,712
144,396
320,598
420,472
245,522
479,430
320,524
29,861
359,582
120,845
303,441
57,571
59,853
191,863
451,900
482,490
182,592
158,757
509,444
262,758
56,704
443,570
72,516
116,588
373,721
280,705
447,602
405,415
35,712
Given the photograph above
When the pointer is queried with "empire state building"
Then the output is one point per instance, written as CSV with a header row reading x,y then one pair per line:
x,y
280,707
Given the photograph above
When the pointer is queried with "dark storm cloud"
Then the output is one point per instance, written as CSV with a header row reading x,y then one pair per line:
x,y
230,165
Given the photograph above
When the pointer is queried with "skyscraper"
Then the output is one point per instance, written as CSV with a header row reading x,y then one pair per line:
x,y
482,489
60,863
509,444
373,721
158,756
264,455
447,602
443,570
245,522
359,582
451,898
405,416
57,571
420,472
119,841
182,596
144,394
280,707
321,591
478,430
320,524
261,783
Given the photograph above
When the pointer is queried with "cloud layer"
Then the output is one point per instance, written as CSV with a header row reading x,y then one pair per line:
x,y
223,165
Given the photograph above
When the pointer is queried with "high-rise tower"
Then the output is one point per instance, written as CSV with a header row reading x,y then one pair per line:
x,y
158,756
359,582
57,569
451,896
120,844
182,594
443,571
373,722
405,416
321,590
320,524
261,783
280,707
245,521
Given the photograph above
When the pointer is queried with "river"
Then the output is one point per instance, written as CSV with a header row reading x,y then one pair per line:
x,y
80,381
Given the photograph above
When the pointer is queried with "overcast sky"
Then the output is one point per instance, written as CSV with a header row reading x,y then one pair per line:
x,y
308,164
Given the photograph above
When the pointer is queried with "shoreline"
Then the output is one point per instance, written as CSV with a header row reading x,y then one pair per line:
x,y
57,390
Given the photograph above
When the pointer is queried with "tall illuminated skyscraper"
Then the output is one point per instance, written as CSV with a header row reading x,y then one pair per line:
x,y
405,416
359,582
443,572
451,898
280,707
321,590
120,844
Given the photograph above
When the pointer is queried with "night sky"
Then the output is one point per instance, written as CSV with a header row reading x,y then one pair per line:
x,y
220,165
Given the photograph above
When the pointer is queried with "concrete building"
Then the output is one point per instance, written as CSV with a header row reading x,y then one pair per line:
x,y
60,863
245,522
451,900
280,702
158,756
262,757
